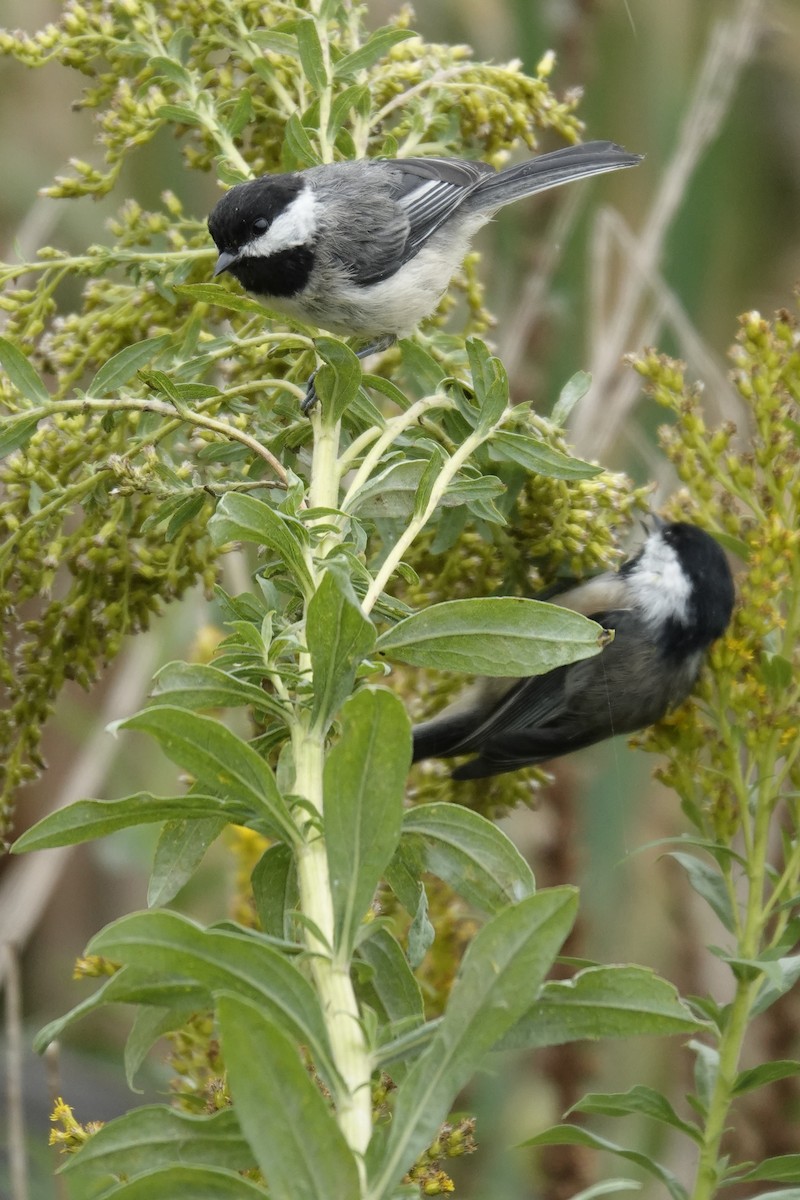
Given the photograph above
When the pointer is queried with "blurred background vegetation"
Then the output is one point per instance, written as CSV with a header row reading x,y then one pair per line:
x,y
709,91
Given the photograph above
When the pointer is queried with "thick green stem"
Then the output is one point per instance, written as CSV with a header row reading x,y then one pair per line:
x,y
331,974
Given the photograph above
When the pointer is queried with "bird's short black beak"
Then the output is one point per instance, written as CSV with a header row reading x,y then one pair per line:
x,y
657,523
224,261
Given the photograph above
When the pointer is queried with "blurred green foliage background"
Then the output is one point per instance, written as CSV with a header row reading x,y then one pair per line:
x,y
702,240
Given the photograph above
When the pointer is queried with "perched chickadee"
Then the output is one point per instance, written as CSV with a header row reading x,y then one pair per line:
x,y
368,248
666,606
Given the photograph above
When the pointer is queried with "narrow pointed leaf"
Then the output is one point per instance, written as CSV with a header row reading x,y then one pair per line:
x,y
602,1002
158,1136
201,685
490,381
16,432
21,373
201,1183
468,852
87,819
378,45
219,760
364,786
281,1111
311,57
769,1072
221,961
708,882
246,519
181,848
573,391
339,638
783,1168
645,1101
499,977
537,456
274,884
572,1135
500,636
339,378
123,365
392,989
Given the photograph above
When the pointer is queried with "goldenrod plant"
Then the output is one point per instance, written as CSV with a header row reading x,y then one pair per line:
x,y
153,426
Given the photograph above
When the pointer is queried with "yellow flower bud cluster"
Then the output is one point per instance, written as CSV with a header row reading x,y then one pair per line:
x,y
742,736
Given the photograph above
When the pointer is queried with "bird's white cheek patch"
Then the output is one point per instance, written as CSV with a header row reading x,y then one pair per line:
x,y
660,582
296,226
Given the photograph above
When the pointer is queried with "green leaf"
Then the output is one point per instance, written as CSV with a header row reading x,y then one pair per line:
x,y
421,934
338,380
536,456
783,1168
223,297
201,1183
298,149
499,636
394,491
392,989
490,382
124,365
602,1002
377,47
573,391
781,1194
16,432
274,884
609,1187
706,1072
500,975
468,852
364,786
339,638
181,848
281,1110
156,1136
246,519
150,1024
311,58
201,685
242,113
645,1101
128,985
88,819
572,1135
220,761
769,1072
181,114
710,884
356,97
172,70
22,376
781,975
244,964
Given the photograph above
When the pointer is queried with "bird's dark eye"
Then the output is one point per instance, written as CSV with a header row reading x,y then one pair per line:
x,y
260,224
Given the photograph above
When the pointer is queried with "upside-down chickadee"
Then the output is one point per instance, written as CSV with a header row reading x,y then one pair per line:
x,y
666,606
367,248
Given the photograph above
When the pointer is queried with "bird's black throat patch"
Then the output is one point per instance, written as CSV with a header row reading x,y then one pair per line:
x,y
283,274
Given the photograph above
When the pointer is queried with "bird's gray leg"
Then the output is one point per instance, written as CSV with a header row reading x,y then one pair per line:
x,y
375,347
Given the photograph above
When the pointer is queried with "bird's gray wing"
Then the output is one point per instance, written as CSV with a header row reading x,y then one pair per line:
x,y
430,190
409,200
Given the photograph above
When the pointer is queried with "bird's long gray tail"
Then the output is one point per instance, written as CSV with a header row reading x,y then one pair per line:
x,y
548,171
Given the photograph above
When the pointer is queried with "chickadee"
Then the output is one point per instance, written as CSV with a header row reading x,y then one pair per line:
x,y
368,248
666,606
